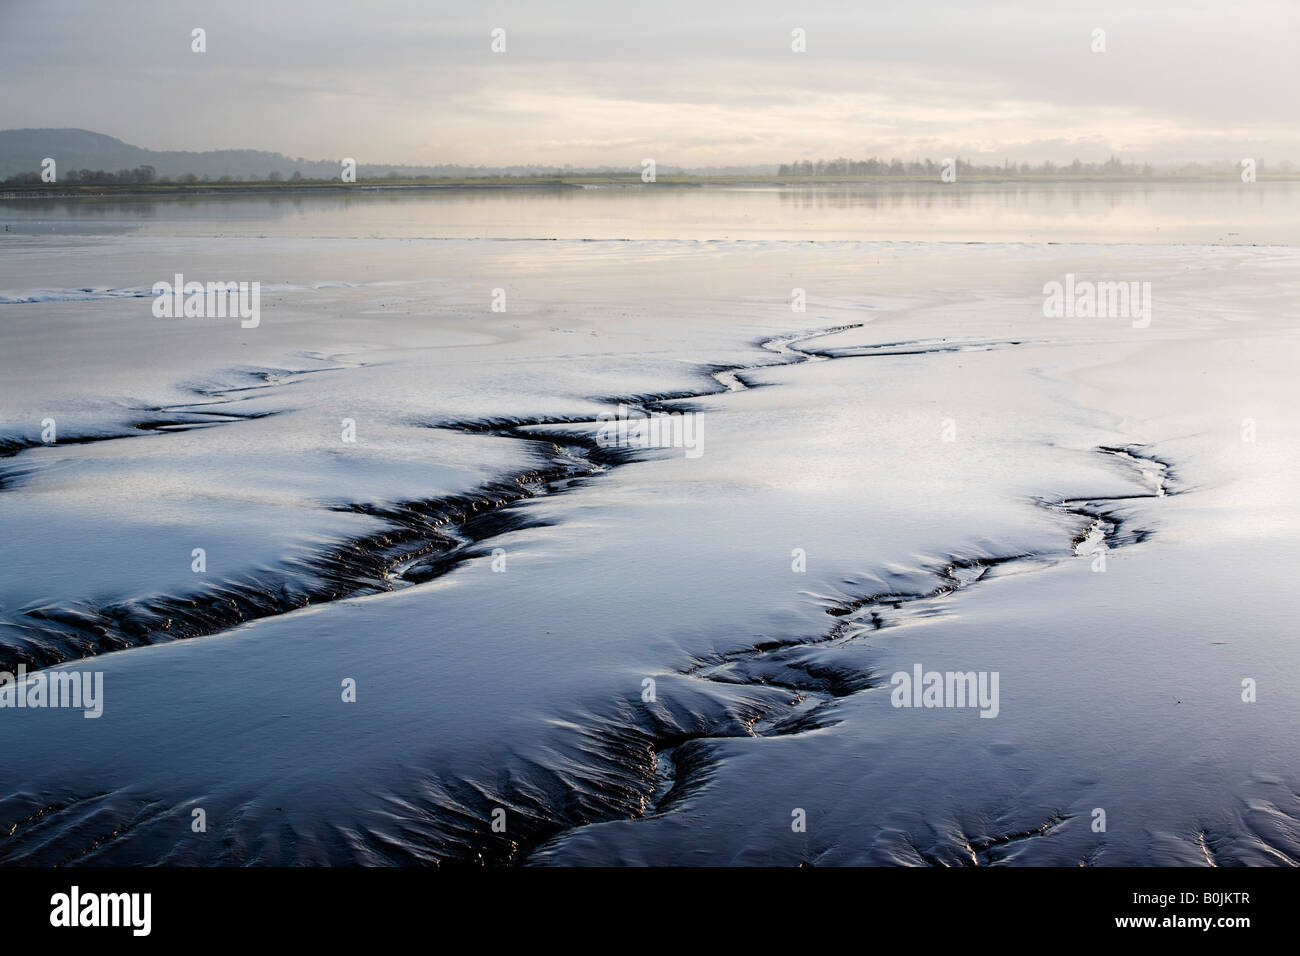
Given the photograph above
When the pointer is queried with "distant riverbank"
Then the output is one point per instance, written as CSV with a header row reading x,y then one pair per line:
x,y
309,187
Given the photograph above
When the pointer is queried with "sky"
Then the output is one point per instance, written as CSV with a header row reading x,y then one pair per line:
x,y
685,83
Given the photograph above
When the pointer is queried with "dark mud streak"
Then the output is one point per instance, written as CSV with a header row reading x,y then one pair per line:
x,y
917,347
171,419
1206,844
825,686
620,757
175,418
986,851
431,535
426,538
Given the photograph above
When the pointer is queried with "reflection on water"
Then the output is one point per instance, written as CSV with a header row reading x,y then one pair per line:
x,y
1264,213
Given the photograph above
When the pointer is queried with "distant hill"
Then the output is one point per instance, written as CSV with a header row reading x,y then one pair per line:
x,y
21,151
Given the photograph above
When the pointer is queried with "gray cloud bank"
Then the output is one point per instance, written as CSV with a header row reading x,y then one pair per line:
x,y
691,84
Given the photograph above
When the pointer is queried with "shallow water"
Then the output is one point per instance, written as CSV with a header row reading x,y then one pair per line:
x,y
919,468
1170,212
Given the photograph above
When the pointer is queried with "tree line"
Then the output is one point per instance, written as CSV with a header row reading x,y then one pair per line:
x,y
1113,166
839,167
141,174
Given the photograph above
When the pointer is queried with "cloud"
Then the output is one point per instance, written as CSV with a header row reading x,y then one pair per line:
x,y
690,83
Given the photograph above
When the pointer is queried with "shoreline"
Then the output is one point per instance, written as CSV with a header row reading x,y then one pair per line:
x,y
14,192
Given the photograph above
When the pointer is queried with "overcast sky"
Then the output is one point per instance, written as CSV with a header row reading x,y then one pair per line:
x,y
695,83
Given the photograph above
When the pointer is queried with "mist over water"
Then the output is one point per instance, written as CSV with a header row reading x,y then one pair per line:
x,y
1183,213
